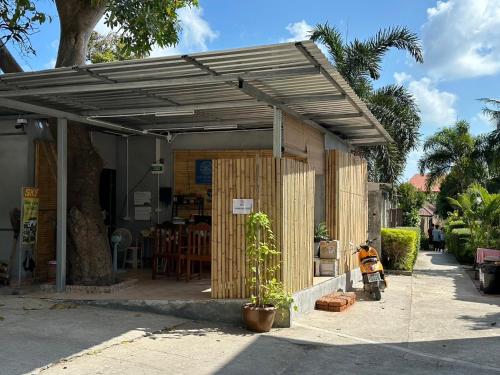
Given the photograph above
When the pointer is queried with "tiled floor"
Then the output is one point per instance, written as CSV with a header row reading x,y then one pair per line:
x,y
146,289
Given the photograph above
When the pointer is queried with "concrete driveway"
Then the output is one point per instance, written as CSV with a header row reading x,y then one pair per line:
x,y
434,322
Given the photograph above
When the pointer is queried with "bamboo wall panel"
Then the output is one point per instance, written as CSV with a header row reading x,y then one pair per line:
x,y
185,172
301,140
282,188
46,181
346,203
297,235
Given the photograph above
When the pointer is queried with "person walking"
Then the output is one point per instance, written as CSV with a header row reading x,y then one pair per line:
x,y
436,237
441,240
429,234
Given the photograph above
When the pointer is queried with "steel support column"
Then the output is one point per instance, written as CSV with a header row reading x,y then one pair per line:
x,y
277,132
62,139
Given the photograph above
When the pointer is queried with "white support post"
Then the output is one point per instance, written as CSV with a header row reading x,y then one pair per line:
x,y
277,132
62,139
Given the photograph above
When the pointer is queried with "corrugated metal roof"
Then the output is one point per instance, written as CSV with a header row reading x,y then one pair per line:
x,y
185,93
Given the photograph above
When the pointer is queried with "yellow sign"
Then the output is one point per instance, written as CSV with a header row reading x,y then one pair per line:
x,y
29,215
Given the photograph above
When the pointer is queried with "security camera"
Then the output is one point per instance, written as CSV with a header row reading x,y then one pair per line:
x,y
170,137
21,123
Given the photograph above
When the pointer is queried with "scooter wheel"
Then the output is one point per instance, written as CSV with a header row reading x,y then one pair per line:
x,y
377,296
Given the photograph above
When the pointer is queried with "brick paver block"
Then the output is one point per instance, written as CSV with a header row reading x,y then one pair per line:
x,y
336,302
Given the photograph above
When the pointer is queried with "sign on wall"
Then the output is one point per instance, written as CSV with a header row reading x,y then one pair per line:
x,y
242,206
29,223
203,172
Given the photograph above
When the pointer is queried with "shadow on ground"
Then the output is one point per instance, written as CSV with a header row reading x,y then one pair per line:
x,y
464,287
272,354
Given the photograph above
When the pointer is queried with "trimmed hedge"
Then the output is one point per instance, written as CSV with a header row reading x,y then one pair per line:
x,y
457,242
455,224
400,247
417,231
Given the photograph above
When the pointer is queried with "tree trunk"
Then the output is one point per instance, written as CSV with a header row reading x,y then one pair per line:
x,y
89,255
8,63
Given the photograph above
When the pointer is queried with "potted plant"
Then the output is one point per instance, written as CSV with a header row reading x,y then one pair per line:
x,y
268,294
320,234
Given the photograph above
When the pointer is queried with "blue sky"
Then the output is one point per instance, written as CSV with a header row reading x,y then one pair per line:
x,y
461,40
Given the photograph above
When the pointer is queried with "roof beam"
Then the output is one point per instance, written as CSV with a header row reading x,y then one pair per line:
x,y
367,141
144,111
101,77
148,84
323,71
349,126
22,106
167,126
260,95
311,98
335,116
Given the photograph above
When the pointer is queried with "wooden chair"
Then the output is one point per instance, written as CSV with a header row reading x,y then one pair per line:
x,y
198,249
164,252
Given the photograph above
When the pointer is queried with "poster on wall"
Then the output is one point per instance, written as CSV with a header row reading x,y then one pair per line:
x,y
204,172
29,224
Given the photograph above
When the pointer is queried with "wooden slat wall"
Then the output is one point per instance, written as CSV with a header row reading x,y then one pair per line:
x,y
303,141
297,235
185,171
284,189
46,181
346,203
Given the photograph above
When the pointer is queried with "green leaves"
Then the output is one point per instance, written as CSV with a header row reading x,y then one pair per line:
x,y
453,149
18,21
144,24
480,211
261,248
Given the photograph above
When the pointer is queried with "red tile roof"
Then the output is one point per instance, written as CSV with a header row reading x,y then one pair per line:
x,y
420,181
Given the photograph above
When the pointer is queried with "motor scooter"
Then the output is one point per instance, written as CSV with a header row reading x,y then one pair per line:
x,y
374,280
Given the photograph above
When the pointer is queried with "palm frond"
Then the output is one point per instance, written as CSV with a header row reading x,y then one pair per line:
x,y
332,39
398,37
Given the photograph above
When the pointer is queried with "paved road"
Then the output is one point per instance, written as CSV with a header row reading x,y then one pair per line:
x,y
434,322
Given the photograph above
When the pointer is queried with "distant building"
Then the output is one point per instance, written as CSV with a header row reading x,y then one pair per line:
x,y
420,182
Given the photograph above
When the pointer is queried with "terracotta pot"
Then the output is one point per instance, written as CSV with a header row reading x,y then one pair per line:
x,y
258,319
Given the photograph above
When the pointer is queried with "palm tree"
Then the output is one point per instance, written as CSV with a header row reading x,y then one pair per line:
x,y
493,113
481,212
490,144
453,149
359,62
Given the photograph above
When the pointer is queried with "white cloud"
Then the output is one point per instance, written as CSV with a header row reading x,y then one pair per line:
x,y
462,39
299,31
481,123
55,44
195,36
51,64
401,77
437,107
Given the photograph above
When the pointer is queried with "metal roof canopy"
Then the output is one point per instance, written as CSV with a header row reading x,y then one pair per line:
x,y
232,89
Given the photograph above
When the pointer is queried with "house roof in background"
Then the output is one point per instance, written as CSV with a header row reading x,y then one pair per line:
x,y
420,182
428,210
199,92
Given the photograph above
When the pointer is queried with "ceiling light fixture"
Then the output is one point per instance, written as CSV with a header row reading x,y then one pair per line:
x,y
220,127
173,112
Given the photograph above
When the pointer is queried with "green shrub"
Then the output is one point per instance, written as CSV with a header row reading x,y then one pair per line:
x,y
400,247
418,232
458,244
455,224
